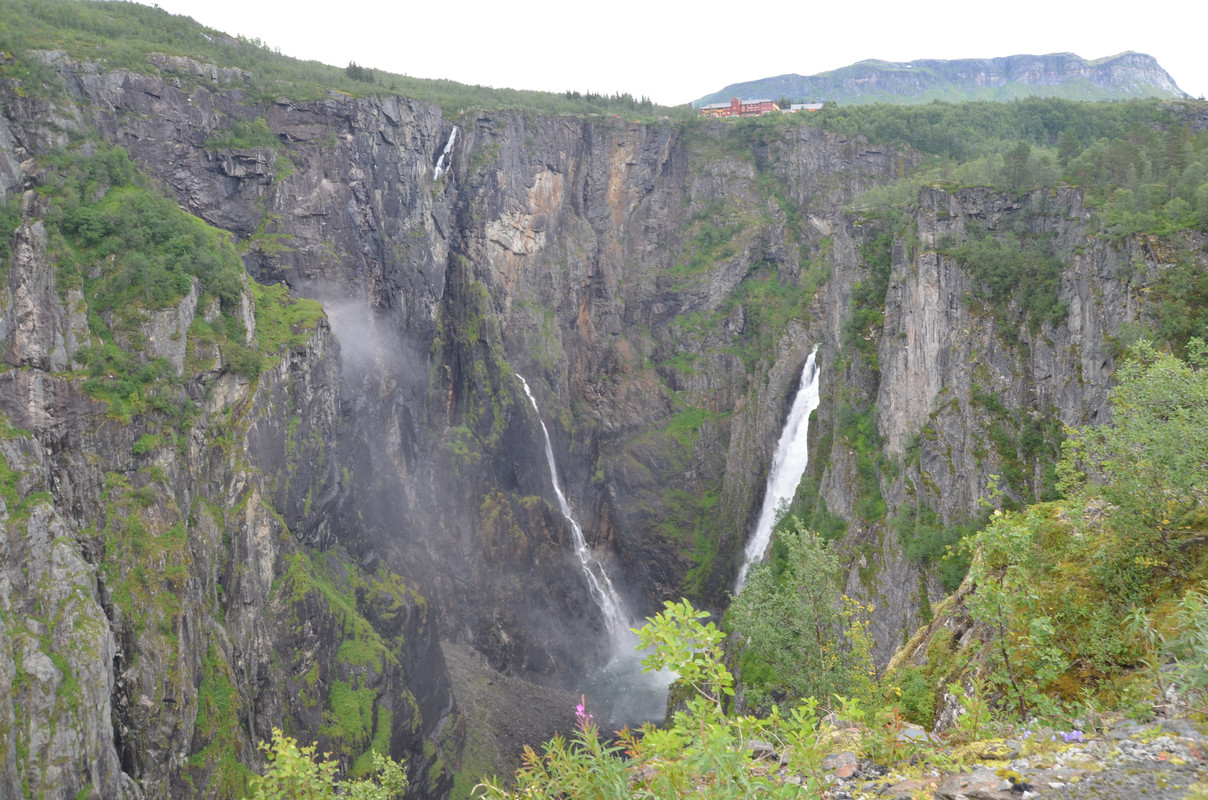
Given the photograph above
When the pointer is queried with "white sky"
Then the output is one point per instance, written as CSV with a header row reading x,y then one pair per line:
x,y
677,52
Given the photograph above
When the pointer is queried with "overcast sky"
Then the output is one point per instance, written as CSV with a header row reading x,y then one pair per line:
x,y
677,52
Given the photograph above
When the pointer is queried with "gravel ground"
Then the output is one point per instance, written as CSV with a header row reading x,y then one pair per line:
x,y
1161,761
502,713
1137,780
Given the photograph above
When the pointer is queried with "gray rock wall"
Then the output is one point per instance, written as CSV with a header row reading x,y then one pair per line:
x,y
659,286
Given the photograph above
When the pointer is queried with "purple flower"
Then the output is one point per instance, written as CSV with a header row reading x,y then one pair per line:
x,y
1073,736
581,716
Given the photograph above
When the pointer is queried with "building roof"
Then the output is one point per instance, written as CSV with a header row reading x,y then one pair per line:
x,y
728,104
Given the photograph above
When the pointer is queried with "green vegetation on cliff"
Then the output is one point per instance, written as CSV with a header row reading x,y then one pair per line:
x,y
120,35
351,612
1140,163
1143,173
156,308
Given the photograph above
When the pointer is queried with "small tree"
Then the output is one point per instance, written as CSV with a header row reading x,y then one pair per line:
x,y
295,774
692,650
1068,148
1149,462
1015,170
358,73
787,622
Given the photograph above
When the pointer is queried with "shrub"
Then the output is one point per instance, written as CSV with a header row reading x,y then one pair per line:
x,y
295,774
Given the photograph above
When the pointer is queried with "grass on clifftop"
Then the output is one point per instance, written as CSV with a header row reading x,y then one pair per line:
x,y
120,35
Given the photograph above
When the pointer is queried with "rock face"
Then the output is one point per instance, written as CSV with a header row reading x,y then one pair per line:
x,y
173,583
1118,77
577,252
659,286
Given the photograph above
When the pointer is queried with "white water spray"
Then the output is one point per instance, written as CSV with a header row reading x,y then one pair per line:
x,y
602,590
788,465
444,162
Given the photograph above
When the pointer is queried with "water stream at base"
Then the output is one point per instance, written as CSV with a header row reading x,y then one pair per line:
x,y
788,465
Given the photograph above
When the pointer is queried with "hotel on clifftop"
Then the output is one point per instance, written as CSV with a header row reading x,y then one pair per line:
x,y
739,108
752,108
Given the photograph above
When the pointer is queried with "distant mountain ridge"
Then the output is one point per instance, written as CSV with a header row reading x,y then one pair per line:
x,y
1123,76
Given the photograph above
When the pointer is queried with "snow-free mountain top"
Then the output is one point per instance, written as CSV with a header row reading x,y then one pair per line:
x,y
1117,77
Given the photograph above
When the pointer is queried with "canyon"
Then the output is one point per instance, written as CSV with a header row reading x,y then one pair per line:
x,y
382,483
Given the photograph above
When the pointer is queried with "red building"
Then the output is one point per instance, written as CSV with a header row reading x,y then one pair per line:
x,y
739,108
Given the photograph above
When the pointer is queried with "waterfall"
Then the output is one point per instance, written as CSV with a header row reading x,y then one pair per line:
x,y
602,590
788,465
445,154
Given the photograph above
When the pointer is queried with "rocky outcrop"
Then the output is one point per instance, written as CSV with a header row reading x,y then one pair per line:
x,y
968,398
35,323
56,648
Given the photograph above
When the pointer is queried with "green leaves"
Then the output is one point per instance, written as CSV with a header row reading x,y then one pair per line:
x,y
243,134
1010,268
787,621
703,753
1150,464
294,773
692,651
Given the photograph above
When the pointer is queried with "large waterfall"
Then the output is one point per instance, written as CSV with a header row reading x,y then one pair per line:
x,y
788,465
602,590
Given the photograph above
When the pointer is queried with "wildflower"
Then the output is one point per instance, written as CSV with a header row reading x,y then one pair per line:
x,y
1073,736
583,719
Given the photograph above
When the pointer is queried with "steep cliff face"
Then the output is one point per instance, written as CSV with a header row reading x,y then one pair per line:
x,y
968,397
172,583
659,286
639,276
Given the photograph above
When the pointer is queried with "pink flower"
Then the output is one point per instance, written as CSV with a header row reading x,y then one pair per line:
x,y
583,718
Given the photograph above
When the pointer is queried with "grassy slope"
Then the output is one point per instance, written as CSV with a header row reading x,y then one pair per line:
x,y
120,34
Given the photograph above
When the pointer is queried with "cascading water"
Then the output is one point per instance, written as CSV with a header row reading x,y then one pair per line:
x,y
628,695
445,155
788,465
602,590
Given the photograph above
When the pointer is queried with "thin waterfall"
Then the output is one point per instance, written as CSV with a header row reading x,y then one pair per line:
x,y
602,590
442,163
788,465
